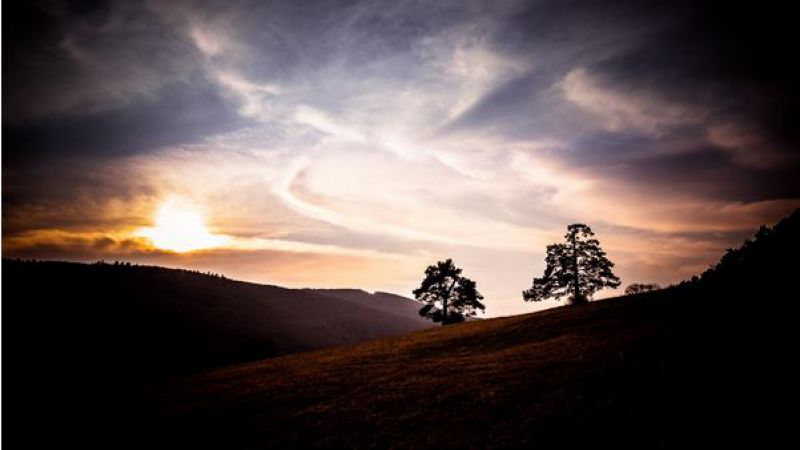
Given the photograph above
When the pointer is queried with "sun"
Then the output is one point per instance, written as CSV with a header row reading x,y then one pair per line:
x,y
180,227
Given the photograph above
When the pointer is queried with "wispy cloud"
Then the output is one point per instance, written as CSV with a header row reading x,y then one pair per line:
x,y
620,110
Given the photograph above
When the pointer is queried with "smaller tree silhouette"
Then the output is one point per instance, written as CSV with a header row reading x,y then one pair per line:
x,y
449,297
577,268
638,288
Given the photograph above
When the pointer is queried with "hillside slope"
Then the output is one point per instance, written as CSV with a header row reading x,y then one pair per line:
x,y
706,364
703,364
166,321
80,340
648,371
381,301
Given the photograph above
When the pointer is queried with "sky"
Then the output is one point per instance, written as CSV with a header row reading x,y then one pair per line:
x,y
353,143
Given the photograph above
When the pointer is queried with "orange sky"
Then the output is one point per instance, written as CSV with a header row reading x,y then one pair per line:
x,y
353,219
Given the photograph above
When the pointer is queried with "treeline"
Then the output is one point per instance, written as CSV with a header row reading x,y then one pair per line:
x,y
764,265
121,265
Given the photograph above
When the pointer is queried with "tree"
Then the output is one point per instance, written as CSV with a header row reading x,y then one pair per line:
x,y
449,297
638,288
577,268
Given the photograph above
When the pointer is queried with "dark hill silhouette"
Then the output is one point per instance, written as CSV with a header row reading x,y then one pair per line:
x,y
162,321
695,365
83,339
763,265
699,364
381,301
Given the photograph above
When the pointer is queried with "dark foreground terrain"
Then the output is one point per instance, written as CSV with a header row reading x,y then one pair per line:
x,y
79,340
708,363
648,371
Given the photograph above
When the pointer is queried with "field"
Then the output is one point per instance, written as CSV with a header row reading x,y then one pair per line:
x,y
635,372
119,357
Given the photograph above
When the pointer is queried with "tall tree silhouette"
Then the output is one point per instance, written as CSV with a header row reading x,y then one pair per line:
x,y
577,268
449,297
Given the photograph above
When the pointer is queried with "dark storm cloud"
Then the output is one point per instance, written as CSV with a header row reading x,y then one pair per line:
x,y
708,173
697,96
89,79
179,113
63,59
724,59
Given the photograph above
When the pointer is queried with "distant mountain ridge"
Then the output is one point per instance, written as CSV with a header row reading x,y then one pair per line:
x,y
381,301
158,320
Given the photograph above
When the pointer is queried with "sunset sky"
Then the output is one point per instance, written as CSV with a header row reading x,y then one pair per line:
x,y
351,144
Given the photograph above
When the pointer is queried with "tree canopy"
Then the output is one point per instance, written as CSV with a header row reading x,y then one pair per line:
x,y
449,297
638,288
577,268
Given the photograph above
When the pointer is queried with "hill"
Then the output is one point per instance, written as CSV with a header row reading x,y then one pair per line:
x,y
170,321
80,340
699,364
650,371
695,365
381,301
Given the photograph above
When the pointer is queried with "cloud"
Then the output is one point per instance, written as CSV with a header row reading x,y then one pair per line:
x,y
254,98
748,145
84,64
323,122
416,213
276,262
342,140
648,112
211,44
619,110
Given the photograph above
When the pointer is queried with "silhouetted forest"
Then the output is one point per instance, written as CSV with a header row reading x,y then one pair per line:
x,y
761,266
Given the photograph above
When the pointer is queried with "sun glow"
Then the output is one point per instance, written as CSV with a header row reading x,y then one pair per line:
x,y
180,227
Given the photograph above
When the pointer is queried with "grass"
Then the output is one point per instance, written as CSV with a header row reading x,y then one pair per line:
x,y
677,368
635,371
709,363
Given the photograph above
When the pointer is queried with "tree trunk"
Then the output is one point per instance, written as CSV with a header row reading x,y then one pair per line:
x,y
444,310
444,303
576,282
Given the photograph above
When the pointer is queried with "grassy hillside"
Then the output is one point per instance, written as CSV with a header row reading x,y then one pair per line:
x,y
707,363
648,371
